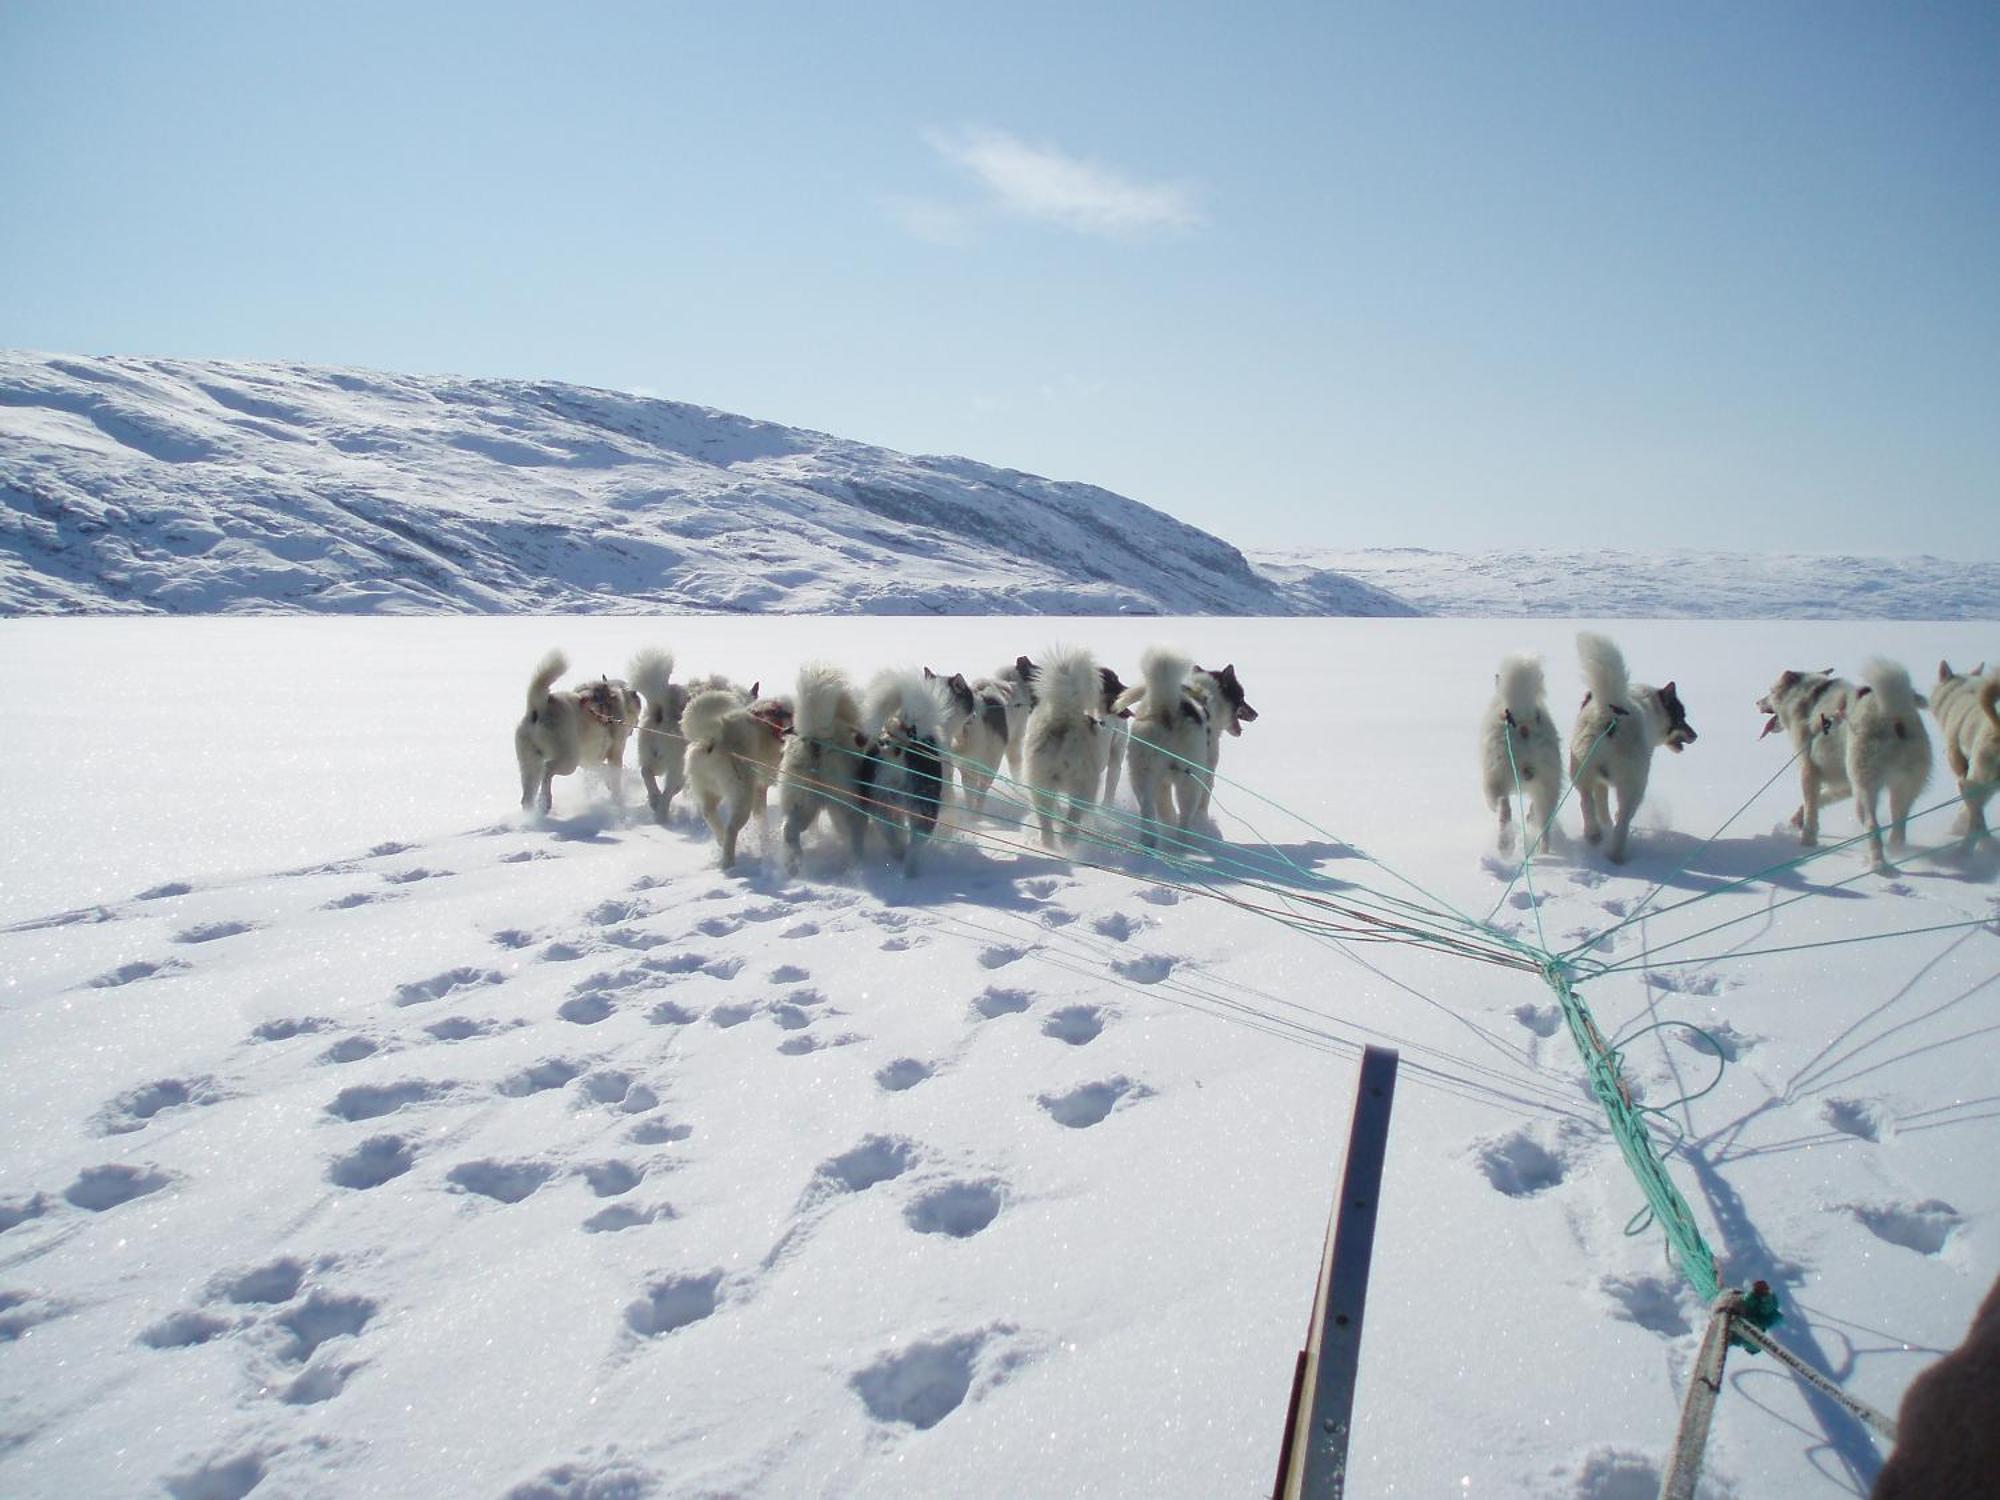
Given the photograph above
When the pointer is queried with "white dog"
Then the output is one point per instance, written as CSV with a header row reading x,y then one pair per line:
x,y
1859,740
662,747
1065,741
980,740
821,769
560,731
1017,684
1963,704
1617,730
1519,750
733,750
907,722
1180,712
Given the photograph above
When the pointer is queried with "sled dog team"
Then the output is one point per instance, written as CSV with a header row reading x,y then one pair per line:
x,y
1064,726
1864,740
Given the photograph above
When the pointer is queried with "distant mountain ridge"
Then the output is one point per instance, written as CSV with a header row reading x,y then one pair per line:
x,y
185,486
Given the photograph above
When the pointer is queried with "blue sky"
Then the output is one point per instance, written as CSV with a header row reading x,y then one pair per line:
x,y
1368,275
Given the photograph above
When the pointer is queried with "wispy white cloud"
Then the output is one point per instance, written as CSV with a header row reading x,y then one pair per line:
x,y
1040,182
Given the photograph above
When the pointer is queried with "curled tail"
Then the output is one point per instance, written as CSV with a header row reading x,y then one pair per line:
x,y
1603,668
1891,685
553,666
702,719
826,707
1067,682
1162,670
920,702
1520,686
652,673
1989,694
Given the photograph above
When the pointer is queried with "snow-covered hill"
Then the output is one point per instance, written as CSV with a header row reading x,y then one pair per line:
x,y
1681,584
139,485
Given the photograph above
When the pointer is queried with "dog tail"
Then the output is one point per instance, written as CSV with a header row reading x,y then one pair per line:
x,y
1892,688
702,719
1603,668
826,703
553,666
1521,687
1989,694
652,673
922,703
1067,682
1162,670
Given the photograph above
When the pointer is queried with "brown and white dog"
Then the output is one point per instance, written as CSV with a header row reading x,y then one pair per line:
x,y
1863,740
1963,705
1618,727
561,731
1065,743
733,752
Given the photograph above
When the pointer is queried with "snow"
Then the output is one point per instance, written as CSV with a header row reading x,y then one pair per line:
x,y
208,487
1616,583
366,1138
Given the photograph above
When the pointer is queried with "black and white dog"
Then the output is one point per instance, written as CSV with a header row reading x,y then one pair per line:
x,y
1180,712
903,779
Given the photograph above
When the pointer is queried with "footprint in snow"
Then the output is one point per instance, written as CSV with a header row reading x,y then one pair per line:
x,y
383,851
277,1282
413,875
801,930
525,856
902,1074
209,932
1056,916
1686,982
674,1303
626,1216
585,1010
1652,1302
1089,1103
460,1029
224,1479
1149,968
668,1013
513,937
358,898
537,1078
718,926
1525,1162
350,1049
284,1028
919,1384
139,968
97,1189
1160,895
877,1159
502,1181
1075,1024
1864,1119
586,1481
1542,1020
790,1017
1922,1227
800,1045
161,892
424,991
789,974
136,1107
993,1002
611,1179
320,1318
726,1016
18,1211
1000,955
958,1210
186,1330
609,1086
658,1132
377,1160
1116,925
370,1101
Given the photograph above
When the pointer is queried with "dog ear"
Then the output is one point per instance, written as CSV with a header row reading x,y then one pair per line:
x,y
1944,671
929,675
1668,691
753,689
1922,701
1789,680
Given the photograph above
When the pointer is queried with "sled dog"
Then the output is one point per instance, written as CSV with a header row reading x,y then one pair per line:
x,y
1853,740
1520,750
1064,742
1963,705
906,720
979,738
1619,726
733,750
824,761
1180,712
560,731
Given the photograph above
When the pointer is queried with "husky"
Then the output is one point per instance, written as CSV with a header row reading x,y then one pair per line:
x,y
733,750
1180,712
1519,750
1064,742
1017,682
560,731
824,762
1111,690
1963,705
662,748
907,722
1853,740
982,737
1618,727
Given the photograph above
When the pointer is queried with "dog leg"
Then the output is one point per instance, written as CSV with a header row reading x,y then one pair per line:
x,y
1506,808
1809,806
738,817
1866,800
1900,799
1591,797
547,798
1542,808
798,818
725,836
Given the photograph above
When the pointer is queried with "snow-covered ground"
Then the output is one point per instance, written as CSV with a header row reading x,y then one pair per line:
x,y
207,487
364,1138
1684,584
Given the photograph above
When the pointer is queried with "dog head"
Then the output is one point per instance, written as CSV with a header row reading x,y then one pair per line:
x,y
1680,734
1227,683
775,714
1112,687
962,700
604,700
